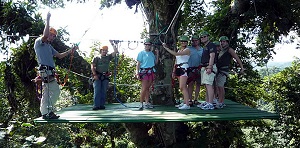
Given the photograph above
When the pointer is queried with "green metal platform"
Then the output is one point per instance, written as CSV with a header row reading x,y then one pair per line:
x,y
117,113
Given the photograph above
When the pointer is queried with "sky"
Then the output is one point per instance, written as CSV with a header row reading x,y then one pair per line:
x,y
118,23
287,52
86,24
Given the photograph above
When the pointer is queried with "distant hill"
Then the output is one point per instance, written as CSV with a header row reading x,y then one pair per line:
x,y
272,64
280,65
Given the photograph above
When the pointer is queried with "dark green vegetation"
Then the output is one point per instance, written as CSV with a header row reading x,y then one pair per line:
x,y
262,22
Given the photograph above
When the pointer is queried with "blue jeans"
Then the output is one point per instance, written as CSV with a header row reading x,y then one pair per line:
x,y
100,89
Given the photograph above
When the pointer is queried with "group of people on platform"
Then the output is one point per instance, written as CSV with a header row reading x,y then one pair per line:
x,y
195,65
207,65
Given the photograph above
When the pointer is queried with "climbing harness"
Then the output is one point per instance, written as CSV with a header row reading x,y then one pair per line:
x,y
145,72
46,75
103,76
193,73
179,71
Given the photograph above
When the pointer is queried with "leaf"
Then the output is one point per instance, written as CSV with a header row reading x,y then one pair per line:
x,y
26,125
39,140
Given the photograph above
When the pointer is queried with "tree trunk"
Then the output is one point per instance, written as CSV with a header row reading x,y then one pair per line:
x,y
160,14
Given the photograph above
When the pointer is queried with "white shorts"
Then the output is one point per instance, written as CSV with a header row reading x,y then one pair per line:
x,y
208,78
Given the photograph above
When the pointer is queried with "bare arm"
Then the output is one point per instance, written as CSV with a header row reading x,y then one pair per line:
x,y
236,57
115,48
64,54
209,68
93,68
186,51
138,65
46,29
211,59
94,73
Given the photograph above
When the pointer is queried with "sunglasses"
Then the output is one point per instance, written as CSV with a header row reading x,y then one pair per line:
x,y
147,44
203,37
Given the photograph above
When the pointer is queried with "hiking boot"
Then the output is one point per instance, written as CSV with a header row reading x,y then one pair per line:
x,y
148,106
50,115
191,103
96,108
208,106
184,107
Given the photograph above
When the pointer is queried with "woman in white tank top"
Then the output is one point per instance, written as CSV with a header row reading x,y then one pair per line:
x,y
182,57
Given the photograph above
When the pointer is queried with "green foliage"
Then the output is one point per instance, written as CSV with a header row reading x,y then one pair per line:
x,y
216,134
262,22
4,110
127,85
11,15
285,89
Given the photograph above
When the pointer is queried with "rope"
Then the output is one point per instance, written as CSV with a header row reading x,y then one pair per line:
x,y
72,53
174,16
118,84
67,75
170,25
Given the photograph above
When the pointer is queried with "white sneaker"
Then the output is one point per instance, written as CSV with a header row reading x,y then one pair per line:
x,y
220,105
179,105
184,107
141,107
202,104
208,106
215,101
148,106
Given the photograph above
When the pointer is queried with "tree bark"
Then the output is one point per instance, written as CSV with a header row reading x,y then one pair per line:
x,y
159,15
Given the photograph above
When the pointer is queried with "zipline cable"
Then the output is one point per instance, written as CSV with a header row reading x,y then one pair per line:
x,y
174,17
76,45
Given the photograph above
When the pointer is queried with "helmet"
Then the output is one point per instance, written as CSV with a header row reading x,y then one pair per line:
x,y
147,41
217,43
223,38
204,33
184,38
104,47
52,30
195,37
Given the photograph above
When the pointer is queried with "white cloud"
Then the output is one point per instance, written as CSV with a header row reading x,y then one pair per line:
x,y
286,52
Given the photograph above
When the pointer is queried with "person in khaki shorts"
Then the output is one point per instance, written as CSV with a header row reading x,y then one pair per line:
x,y
224,59
208,70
